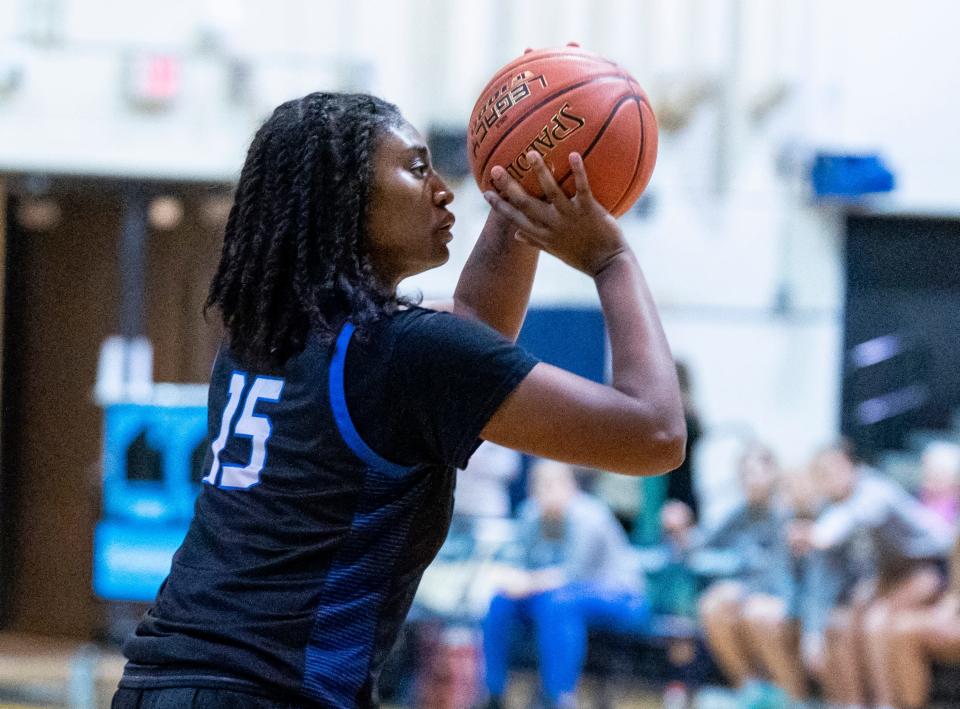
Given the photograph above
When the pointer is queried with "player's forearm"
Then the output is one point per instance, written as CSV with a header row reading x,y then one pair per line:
x,y
643,366
495,283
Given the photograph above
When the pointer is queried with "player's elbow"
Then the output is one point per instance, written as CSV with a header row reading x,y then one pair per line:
x,y
675,447
668,449
663,449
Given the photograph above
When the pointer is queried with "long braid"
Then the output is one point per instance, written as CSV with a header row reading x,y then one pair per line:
x,y
314,280
262,238
277,263
297,217
294,253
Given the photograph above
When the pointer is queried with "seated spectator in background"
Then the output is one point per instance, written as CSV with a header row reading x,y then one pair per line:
x,y
792,636
578,572
940,480
923,636
678,526
736,612
483,486
907,542
777,622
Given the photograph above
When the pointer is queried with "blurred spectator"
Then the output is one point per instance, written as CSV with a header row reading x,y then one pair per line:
x,y
777,623
678,526
744,617
788,632
922,636
680,484
907,542
483,486
940,480
578,572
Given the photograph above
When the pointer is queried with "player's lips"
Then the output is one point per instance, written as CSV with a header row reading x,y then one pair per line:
x,y
446,224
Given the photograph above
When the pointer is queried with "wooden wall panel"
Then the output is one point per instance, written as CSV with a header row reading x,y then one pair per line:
x,y
67,288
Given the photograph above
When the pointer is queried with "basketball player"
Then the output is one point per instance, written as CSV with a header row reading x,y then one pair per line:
x,y
338,411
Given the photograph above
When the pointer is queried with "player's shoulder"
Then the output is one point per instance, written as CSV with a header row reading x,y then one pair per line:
x,y
389,332
396,339
410,318
419,326
420,316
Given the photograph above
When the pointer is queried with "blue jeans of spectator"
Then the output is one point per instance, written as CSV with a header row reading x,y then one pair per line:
x,y
561,619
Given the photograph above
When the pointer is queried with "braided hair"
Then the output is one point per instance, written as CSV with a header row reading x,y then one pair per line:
x,y
294,251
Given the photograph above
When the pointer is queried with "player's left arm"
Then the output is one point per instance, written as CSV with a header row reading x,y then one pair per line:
x,y
495,283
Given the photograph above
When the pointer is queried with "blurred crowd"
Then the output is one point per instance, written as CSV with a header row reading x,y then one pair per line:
x,y
848,583
839,587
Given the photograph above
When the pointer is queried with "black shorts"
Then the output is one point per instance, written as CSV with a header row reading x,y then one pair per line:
x,y
192,698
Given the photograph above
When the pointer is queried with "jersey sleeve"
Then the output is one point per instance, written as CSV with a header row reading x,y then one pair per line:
x,y
442,379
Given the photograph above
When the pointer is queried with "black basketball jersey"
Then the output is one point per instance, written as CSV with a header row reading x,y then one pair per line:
x,y
307,544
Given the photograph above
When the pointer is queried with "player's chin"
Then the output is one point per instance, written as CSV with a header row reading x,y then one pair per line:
x,y
441,251
438,256
443,256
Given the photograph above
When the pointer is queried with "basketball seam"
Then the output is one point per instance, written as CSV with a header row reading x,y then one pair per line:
x,y
606,124
541,104
636,171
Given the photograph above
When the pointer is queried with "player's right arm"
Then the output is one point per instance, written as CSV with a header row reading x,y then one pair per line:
x,y
634,426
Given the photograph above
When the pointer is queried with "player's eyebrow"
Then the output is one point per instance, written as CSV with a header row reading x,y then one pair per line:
x,y
420,149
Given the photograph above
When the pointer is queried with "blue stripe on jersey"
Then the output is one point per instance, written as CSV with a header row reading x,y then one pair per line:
x,y
338,402
341,645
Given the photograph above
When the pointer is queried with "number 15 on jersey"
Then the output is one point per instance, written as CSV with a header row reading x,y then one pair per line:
x,y
257,428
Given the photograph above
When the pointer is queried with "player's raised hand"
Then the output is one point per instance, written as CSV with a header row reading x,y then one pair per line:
x,y
577,230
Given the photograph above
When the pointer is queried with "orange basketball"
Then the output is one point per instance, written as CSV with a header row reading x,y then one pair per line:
x,y
559,101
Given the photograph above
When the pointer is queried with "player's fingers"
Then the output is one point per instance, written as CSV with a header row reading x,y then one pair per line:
x,y
509,189
580,177
551,190
521,220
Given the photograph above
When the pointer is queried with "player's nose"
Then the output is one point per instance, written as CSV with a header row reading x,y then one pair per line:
x,y
442,194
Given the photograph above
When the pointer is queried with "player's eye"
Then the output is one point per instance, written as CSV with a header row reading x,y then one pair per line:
x,y
419,168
